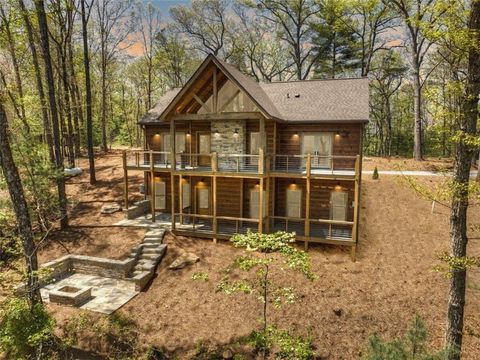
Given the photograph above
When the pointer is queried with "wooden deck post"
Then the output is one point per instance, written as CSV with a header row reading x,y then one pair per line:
x,y
180,198
260,207
172,202
307,200
356,207
125,177
152,185
214,195
261,161
267,201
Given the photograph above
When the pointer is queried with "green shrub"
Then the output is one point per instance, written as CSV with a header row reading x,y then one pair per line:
x,y
411,347
375,174
23,330
282,344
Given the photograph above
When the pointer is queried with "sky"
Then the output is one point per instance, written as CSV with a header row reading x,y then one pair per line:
x,y
165,5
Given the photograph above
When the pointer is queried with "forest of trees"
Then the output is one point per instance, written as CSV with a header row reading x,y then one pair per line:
x,y
134,54
77,75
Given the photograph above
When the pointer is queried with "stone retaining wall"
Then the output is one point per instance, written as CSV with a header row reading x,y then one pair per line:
x,y
138,209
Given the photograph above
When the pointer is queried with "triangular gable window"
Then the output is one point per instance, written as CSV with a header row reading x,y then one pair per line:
x,y
230,99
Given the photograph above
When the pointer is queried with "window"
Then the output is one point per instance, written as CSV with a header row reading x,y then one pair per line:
x,y
185,195
339,201
319,145
204,144
203,198
160,195
255,202
254,143
294,203
179,142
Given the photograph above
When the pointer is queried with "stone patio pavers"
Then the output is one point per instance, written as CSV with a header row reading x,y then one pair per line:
x,y
108,294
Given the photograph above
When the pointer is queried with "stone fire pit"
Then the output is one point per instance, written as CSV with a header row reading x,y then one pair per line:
x,y
70,295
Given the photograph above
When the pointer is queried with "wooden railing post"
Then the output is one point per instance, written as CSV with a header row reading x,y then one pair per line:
x,y
214,157
125,175
260,207
356,206
261,161
152,186
214,220
307,201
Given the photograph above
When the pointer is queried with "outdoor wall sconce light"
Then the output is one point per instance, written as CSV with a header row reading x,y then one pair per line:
x,y
235,133
157,134
216,133
342,134
188,133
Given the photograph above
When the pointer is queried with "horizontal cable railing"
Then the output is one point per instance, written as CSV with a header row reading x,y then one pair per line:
x,y
245,163
301,163
195,222
283,223
231,225
331,229
194,162
142,158
238,163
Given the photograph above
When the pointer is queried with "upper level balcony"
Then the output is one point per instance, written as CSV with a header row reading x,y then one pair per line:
x,y
334,166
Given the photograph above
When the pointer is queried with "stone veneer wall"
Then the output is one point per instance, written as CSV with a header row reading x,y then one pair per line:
x,y
226,142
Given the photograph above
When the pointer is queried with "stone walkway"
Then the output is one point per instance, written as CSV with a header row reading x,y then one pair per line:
x,y
108,294
145,221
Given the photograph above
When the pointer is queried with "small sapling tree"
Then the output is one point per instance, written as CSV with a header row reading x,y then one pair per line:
x,y
410,347
262,252
375,174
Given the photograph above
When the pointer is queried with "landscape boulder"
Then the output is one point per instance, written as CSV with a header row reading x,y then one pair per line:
x,y
184,260
110,208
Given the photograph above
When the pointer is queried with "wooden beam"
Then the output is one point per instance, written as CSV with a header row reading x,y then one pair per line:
x,y
214,203
263,137
204,105
222,116
267,201
125,176
307,201
180,198
260,208
172,144
215,91
152,186
172,192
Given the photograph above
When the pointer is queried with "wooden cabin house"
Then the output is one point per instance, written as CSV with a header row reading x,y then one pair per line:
x,y
225,153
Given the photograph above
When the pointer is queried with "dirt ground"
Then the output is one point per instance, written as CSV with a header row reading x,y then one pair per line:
x,y
396,163
90,232
391,281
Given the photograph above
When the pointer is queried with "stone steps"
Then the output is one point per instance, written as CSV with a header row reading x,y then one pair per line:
x,y
148,254
152,250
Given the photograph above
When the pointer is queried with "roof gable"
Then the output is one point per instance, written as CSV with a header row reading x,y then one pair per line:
x,y
342,100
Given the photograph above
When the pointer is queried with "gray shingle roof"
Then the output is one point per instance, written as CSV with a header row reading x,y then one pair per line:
x,y
342,100
154,113
320,100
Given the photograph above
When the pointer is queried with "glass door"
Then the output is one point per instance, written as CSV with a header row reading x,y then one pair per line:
x,y
319,145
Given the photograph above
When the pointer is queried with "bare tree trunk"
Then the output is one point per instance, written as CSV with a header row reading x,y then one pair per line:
x,y
88,90
16,67
103,105
44,37
417,106
458,216
38,78
20,207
